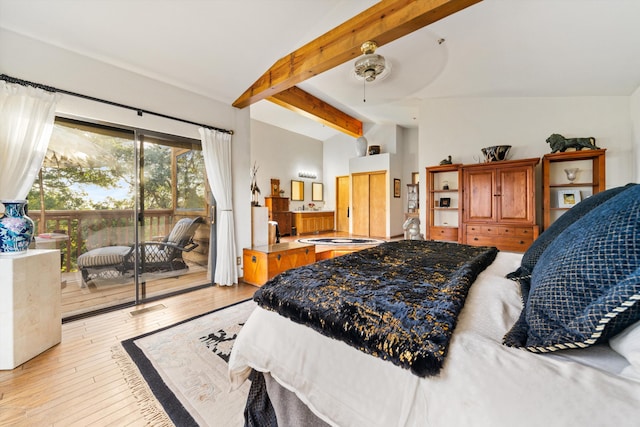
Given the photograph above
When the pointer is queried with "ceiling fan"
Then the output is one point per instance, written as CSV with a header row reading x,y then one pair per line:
x,y
371,65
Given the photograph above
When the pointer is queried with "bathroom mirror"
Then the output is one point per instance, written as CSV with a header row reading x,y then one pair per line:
x,y
297,190
316,192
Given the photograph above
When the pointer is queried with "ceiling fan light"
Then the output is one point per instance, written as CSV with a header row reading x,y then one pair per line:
x,y
370,65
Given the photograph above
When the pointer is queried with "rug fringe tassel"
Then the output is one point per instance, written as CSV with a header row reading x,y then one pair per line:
x,y
149,406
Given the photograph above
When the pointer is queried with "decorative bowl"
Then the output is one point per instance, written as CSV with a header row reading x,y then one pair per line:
x,y
496,153
374,149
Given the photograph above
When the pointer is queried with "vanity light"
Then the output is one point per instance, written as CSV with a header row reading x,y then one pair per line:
x,y
310,175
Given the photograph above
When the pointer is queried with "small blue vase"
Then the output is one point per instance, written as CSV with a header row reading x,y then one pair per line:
x,y
16,229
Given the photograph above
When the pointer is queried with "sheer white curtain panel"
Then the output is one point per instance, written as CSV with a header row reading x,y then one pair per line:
x,y
26,123
216,149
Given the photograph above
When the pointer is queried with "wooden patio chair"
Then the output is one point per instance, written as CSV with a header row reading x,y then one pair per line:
x,y
154,256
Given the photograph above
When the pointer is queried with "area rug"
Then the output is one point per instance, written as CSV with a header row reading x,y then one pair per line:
x,y
183,370
344,241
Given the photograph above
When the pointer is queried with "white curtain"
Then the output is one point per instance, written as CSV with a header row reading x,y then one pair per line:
x,y
26,123
216,149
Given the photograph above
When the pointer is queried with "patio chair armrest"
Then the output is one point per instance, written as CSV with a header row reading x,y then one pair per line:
x,y
191,246
187,248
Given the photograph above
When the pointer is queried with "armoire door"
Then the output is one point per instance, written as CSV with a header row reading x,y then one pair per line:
x,y
479,195
516,201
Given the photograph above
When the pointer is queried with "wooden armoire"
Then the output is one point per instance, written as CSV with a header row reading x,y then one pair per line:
x,y
499,204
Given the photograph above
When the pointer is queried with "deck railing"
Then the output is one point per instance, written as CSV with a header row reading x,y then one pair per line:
x,y
91,229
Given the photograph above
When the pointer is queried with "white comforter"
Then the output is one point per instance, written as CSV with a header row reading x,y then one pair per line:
x,y
483,383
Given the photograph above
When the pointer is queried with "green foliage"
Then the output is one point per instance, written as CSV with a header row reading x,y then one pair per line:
x,y
67,185
157,177
190,180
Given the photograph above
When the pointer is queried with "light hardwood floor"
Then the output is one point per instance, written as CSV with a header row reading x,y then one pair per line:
x,y
78,383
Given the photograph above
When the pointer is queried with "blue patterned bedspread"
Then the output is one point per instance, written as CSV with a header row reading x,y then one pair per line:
x,y
398,301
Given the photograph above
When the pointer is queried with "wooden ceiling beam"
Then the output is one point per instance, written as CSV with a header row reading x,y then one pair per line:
x,y
296,99
384,22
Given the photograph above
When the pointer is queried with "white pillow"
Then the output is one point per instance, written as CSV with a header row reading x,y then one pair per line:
x,y
627,344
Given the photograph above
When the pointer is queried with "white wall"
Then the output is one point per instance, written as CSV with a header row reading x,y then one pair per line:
x,y
281,154
409,150
461,127
634,108
28,59
340,159
335,162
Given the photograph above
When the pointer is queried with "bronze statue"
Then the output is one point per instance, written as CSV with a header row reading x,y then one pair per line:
x,y
446,161
560,143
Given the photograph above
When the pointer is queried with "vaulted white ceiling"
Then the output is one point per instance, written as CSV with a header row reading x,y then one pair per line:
x,y
218,48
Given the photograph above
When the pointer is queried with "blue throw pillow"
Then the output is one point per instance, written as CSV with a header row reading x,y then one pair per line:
x,y
531,256
586,285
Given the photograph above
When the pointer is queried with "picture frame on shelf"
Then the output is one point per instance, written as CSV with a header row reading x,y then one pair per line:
x,y
445,202
568,198
275,187
396,188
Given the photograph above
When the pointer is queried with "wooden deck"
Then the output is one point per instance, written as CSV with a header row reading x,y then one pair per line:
x,y
108,293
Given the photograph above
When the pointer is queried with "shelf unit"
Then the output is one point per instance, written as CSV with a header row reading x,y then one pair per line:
x,y
590,179
413,199
444,202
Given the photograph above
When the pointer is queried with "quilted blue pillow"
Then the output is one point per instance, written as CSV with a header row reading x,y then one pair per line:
x,y
531,256
585,287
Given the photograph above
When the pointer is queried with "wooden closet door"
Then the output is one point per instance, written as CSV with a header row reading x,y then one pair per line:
x,y
378,205
360,210
342,203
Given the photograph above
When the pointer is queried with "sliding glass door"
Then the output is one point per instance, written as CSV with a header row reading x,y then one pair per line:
x,y
173,230
127,209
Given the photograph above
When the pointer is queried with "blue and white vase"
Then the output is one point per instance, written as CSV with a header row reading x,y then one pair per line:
x,y
16,228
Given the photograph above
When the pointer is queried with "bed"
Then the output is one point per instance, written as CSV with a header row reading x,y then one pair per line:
x,y
551,337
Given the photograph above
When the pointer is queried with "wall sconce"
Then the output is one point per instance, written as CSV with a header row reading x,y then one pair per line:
x,y
310,175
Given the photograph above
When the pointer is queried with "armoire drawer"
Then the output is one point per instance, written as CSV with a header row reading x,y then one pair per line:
x,y
449,234
504,237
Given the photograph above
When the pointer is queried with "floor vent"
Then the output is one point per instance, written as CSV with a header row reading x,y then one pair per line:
x,y
147,309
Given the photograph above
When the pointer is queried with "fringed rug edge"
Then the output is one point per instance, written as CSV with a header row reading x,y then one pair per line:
x,y
150,408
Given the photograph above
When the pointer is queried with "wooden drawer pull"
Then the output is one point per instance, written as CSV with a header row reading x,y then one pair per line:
x,y
279,255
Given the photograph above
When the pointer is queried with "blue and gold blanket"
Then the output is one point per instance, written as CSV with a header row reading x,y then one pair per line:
x,y
398,301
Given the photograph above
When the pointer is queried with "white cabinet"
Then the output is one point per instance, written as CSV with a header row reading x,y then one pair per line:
x,y
30,317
